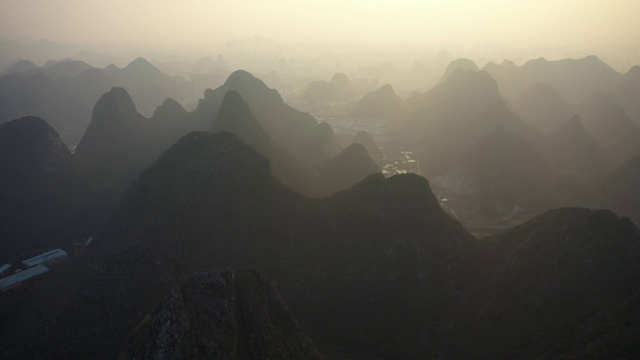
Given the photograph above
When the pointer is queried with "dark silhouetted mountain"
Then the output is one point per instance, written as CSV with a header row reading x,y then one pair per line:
x,y
34,93
617,134
462,64
562,286
236,117
19,66
619,190
64,92
115,146
572,150
43,202
574,79
543,107
382,103
120,142
374,267
147,84
286,125
222,315
169,112
320,145
347,168
373,149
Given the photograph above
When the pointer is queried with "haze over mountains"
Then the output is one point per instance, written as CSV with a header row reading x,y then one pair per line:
x,y
65,91
490,212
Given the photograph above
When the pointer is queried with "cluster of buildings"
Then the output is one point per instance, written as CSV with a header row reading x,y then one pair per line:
x,y
402,163
32,267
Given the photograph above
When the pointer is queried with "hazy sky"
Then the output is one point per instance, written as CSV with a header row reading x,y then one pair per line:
x,y
581,23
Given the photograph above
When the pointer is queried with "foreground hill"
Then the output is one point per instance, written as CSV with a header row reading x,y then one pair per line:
x,y
560,286
375,271
221,315
358,266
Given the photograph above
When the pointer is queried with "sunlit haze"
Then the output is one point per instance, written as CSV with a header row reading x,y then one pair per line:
x,y
577,23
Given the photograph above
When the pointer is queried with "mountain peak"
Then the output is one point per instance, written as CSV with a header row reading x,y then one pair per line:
x,y
141,64
117,98
381,103
340,80
348,167
635,70
198,163
22,65
459,64
324,129
362,137
472,81
462,63
241,77
236,117
115,132
254,89
169,108
233,109
171,104
33,143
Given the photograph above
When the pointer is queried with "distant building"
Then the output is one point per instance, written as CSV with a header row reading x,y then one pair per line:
x,y
89,241
50,256
17,278
4,268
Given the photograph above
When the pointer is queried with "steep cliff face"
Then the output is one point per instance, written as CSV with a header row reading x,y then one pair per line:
x,y
221,315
